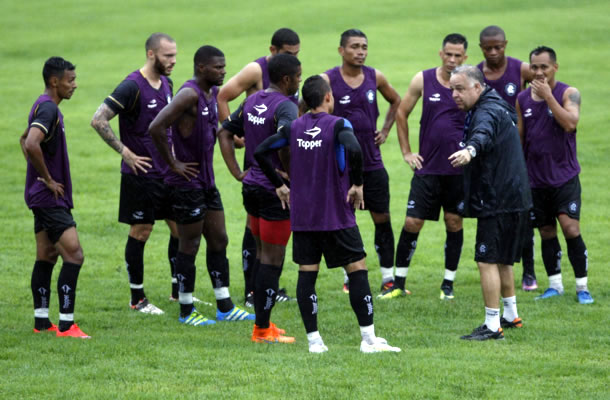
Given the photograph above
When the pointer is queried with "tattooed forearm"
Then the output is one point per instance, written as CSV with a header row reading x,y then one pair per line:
x,y
102,127
574,97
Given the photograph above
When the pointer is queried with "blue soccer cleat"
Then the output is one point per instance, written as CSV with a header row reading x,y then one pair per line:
x,y
235,314
550,292
584,297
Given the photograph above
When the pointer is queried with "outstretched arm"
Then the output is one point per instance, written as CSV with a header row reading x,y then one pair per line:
x,y
392,97
414,92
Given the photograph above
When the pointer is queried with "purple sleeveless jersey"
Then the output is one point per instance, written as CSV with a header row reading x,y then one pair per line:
x,y
134,134
318,186
199,145
55,154
259,124
550,152
359,106
441,128
264,67
509,85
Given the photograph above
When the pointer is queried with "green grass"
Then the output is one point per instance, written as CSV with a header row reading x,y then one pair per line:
x,y
561,353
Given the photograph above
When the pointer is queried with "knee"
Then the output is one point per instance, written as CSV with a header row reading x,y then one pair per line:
x,y
548,232
413,225
380,218
453,222
218,243
571,230
77,256
141,232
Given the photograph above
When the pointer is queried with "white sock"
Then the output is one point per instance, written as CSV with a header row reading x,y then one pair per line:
x,y
387,274
314,337
450,275
368,333
402,272
345,278
492,318
185,298
221,293
41,313
581,284
556,283
510,308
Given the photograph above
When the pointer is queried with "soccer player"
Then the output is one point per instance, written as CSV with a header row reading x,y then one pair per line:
x,y
508,76
495,192
435,183
144,197
256,119
195,200
354,86
48,193
252,78
549,112
322,200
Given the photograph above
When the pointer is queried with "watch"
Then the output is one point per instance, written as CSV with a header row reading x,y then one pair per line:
x,y
472,151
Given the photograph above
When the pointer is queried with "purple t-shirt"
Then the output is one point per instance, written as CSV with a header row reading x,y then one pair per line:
x,y
359,106
199,145
441,128
550,152
319,178
509,84
266,81
133,126
46,116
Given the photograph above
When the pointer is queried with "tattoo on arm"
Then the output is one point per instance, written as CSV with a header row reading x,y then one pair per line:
x,y
574,98
102,126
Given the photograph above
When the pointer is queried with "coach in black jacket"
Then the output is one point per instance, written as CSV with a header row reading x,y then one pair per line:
x,y
497,193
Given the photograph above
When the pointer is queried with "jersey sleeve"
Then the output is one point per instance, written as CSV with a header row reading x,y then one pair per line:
x,y
235,122
124,98
344,136
45,117
285,113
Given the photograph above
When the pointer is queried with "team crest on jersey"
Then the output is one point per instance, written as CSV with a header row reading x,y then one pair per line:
x,y
345,100
152,104
370,96
205,111
435,97
510,89
527,113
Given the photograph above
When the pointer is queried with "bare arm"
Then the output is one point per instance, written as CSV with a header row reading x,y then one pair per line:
x,y
568,115
101,123
184,99
245,79
414,92
392,97
32,141
526,75
520,123
22,143
225,142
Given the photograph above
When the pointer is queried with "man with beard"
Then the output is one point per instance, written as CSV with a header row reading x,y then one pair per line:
x,y
144,196
48,193
196,203
508,76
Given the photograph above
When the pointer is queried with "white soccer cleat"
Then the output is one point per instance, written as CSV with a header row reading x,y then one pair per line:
x,y
318,347
379,345
145,307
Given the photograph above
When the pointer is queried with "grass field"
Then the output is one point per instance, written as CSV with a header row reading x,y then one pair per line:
x,y
563,351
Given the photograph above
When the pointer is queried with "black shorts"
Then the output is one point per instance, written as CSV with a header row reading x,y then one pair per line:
x,y
500,238
376,191
550,202
261,203
431,192
190,205
339,248
143,200
53,220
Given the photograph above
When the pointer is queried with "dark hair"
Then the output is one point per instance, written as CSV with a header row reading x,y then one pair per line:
x,y
154,40
456,38
472,73
544,49
284,36
55,66
281,65
314,90
204,55
490,31
350,33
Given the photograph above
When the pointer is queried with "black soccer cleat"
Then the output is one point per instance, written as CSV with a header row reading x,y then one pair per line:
x,y
516,323
483,333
